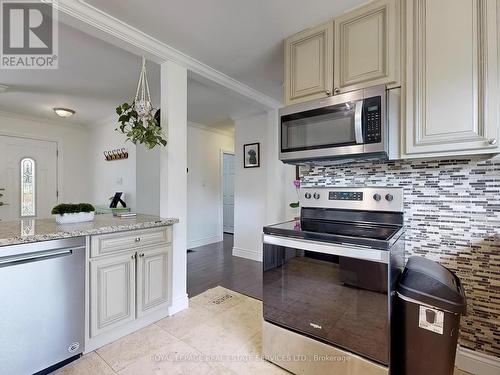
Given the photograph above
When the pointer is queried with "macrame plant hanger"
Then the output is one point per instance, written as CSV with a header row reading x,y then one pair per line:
x,y
142,100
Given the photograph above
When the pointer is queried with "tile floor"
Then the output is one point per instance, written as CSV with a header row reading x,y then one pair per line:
x,y
219,334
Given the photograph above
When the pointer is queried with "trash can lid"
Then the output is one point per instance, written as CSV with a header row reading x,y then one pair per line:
x,y
430,283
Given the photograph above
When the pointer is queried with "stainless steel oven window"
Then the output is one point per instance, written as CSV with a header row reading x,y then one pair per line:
x,y
339,300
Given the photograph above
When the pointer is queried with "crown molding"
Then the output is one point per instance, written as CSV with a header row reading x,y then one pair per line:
x,y
210,129
92,16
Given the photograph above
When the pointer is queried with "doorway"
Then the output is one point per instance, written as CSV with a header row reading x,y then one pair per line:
x,y
228,192
28,178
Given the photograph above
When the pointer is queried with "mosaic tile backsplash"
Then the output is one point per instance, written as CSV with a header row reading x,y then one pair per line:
x,y
452,215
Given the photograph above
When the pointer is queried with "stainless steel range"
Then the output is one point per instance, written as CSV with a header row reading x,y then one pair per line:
x,y
329,280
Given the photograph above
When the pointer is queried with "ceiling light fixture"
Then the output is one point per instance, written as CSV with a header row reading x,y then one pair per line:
x,y
64,112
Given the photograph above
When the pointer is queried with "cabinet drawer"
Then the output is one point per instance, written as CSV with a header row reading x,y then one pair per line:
x,y
124,241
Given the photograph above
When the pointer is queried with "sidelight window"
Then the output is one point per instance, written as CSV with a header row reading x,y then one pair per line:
x,y
28,186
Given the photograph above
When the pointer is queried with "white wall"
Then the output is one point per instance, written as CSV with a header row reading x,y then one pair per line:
x,y
73,142
108,177
259,192
204,223
148,180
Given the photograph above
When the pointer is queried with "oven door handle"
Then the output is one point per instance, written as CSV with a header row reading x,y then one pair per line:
x,y
373,255
358,122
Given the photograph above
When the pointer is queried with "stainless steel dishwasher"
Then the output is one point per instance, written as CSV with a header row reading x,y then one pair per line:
x,y
42,292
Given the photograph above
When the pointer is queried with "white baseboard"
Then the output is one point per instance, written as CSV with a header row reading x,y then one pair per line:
x,y
204,241
178,304
248,254
477,363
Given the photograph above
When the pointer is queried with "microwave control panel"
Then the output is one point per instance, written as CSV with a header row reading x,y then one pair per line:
x,y
372,120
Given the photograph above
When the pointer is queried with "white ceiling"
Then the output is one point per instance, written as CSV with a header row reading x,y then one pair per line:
x,y
94,77
241,38
211,105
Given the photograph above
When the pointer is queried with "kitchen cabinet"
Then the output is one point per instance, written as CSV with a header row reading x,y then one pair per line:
x,y
152,275
112,282
452,85
128,285
309,64
367,46
358,49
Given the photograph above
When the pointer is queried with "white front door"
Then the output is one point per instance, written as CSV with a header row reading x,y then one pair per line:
x,y
28,178
228,192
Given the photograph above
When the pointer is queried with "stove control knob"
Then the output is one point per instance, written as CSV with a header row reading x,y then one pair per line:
x,y
389,197
377,197
316,195
307,195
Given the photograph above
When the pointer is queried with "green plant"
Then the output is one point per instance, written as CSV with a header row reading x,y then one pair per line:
x,y
145,131
72,208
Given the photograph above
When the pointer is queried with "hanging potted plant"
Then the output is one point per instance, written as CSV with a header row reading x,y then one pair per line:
x,y
139,121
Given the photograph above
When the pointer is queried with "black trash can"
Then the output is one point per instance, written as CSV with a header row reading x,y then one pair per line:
x,y
429,302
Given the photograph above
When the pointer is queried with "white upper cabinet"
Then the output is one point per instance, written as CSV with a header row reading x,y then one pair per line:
x,y
367,46
452,84
309,64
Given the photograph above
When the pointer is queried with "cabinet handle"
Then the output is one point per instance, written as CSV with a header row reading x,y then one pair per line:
x,y
327,92
492,141
138,239
336,90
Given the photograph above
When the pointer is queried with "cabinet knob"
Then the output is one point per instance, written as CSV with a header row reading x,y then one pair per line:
x,y
138,239
133,256
327,92
336,90
141,255
492,141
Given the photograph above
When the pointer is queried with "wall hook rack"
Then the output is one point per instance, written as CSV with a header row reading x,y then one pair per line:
x,y
117,154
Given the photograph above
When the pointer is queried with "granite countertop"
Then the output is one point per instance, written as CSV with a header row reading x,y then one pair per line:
x,y
36,230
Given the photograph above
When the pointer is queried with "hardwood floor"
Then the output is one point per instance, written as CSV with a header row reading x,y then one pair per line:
x,y
212,265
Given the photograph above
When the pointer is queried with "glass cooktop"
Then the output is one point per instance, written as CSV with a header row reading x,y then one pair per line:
x,y
335,231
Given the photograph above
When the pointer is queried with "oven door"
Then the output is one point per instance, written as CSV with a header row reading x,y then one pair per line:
x,y
334,293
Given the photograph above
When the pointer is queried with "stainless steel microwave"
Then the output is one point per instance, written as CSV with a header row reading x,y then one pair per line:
x,y
349,125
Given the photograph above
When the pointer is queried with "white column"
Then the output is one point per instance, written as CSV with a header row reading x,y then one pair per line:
x,y
173,181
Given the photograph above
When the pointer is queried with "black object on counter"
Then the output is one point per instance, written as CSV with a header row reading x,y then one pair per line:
x,y
430,300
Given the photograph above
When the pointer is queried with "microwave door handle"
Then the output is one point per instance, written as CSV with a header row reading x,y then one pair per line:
x,y
358,122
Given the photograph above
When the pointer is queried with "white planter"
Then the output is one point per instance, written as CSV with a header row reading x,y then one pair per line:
x,y
78,217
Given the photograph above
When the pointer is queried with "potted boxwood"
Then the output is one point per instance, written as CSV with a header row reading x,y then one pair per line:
x,y
73,213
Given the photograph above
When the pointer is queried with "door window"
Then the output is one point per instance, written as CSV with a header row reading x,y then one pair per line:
x,y
28,186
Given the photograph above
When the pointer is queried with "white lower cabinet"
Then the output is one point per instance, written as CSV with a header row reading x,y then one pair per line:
x,y
152,272
112,301
127,286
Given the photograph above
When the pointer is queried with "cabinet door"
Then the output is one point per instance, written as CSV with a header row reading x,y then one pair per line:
x,y
367,49
152,282
309,64
452,77
112,292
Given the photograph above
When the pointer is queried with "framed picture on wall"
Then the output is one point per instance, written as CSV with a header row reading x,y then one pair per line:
x,y
251,155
